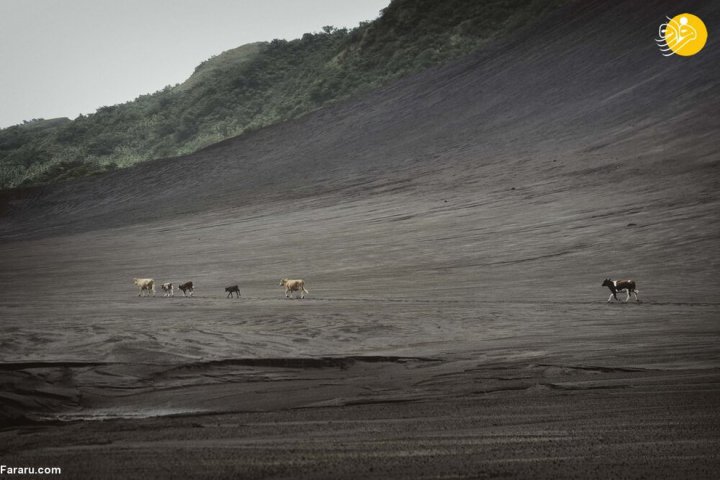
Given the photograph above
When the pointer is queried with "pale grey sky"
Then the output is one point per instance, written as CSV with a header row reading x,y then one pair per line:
x,y
60,58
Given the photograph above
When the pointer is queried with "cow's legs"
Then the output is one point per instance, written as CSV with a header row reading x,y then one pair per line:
x,y
610,297
627,292
637,299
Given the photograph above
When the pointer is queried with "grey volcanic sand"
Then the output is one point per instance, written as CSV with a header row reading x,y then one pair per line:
x,y
453,230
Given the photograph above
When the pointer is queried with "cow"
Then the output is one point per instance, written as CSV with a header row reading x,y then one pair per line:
x,y
616,286
233,289
186,287
144,285
168,289
293,286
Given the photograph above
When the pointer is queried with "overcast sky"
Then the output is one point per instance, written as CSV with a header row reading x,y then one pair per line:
x,y
60,58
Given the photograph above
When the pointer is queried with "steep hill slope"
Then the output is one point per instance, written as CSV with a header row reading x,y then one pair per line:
x,y
574,143
260,84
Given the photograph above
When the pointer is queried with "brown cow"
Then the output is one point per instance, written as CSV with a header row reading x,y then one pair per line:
x,y
293,286
187,287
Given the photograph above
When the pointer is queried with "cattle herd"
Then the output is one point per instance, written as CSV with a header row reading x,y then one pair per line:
x,y
147,285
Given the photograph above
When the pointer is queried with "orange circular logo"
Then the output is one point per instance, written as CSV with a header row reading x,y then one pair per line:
x,y
684,35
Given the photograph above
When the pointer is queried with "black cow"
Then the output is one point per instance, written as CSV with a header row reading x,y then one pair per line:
x,y
234,289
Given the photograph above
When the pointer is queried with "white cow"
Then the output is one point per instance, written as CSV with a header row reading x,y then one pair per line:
x,y
144,285
293,286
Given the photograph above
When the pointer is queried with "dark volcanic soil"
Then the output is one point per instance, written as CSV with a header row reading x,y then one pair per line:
x,y
453,230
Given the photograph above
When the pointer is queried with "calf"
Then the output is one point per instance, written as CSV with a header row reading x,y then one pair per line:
x,y
293,286
234,289
186,287
144,285
168,289
616,286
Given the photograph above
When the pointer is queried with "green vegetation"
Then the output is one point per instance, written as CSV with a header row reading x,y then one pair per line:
x,y
257,85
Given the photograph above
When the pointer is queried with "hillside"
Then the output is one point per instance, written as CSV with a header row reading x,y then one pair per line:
x,y
258,85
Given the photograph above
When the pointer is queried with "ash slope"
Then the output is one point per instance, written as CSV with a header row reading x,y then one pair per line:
x,y
585,88
572,145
